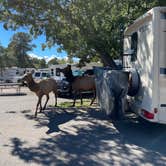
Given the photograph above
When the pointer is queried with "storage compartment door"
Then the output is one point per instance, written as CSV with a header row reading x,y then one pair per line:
x,y
162,65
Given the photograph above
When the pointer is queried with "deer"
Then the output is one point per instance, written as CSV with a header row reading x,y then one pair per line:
x,y
79,83
44,87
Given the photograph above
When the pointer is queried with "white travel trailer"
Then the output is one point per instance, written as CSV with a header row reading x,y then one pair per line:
x,y
12,74
145,52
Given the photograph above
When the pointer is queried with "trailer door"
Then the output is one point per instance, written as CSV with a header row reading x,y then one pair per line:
x,y
162,65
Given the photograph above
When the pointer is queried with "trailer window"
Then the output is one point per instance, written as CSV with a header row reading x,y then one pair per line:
x,y
134,42
163,16
37,74
58,72
52,72
44,74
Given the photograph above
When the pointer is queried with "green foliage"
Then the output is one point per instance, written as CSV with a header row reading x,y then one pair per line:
x,y
62,61
18,48
35,62
84,28
53,61
42,63
86,103
2,59
56,61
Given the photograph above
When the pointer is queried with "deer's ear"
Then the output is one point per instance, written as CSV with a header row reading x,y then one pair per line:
x,y
32,71
69,66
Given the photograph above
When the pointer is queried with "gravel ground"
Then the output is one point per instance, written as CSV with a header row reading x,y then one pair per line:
x,y
74,137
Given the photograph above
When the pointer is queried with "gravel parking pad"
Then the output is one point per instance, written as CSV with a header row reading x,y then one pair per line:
x,y
74,136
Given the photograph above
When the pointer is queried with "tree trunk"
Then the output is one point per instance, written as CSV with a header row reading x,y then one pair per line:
x,y
106,59
1,72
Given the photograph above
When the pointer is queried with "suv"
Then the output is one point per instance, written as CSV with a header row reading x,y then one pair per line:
x,y
63,87
88,72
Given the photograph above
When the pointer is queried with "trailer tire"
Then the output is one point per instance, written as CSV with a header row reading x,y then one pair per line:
x,y
134,83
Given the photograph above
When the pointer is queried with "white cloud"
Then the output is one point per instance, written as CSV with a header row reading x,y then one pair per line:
x,y
47,58
34,55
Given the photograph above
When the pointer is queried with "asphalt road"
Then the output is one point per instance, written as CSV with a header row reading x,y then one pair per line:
x,y
74,137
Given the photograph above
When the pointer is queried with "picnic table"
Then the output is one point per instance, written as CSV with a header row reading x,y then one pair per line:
x,y
16,86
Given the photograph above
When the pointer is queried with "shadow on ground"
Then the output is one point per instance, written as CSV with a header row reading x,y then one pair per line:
x,y
88,137
13,94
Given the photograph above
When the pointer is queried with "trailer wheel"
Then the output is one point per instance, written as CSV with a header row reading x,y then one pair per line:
x,y
134,83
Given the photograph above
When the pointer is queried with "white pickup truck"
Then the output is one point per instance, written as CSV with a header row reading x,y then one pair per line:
x,y
39,75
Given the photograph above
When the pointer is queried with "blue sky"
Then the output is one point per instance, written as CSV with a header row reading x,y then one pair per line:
x,y
5,37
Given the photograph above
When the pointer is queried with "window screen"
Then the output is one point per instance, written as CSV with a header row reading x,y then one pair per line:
x,y
163,16
134,42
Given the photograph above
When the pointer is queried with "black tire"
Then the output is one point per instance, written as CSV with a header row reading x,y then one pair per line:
x,y
134,84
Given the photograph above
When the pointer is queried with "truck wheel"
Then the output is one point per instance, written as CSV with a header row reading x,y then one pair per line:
x,y
134,83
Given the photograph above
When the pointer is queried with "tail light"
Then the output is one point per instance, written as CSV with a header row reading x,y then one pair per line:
x,y
147,114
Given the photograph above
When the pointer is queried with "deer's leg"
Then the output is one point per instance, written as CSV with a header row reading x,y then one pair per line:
x,y
56,95
47,95
74,98
81,98
38,103
55,99
93,99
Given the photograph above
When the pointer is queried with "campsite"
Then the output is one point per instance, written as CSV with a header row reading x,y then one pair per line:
x,y
82,83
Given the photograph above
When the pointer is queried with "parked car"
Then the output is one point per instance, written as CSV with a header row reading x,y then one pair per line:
x,y
88,72
77,73
63,87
